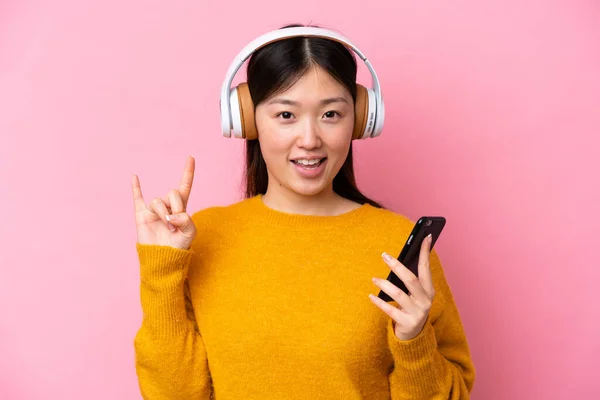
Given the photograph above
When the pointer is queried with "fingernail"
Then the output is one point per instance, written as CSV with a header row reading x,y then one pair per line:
x,y
386,256
429,237
172,217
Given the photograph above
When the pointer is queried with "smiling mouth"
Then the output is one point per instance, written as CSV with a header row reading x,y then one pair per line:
x,y
309,164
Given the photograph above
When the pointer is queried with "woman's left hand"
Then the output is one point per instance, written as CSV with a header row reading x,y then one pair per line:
x,y
412,315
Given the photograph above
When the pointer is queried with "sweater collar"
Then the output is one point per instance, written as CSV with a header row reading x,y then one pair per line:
x,y
274,217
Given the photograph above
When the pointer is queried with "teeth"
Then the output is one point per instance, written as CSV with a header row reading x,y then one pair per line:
x,y
309,162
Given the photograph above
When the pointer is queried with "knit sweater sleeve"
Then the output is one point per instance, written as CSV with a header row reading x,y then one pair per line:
x,y
170,356
436,364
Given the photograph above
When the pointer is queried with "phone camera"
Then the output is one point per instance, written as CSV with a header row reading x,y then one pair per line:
x,y
428,222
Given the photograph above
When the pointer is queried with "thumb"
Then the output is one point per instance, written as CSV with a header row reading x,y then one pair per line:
x,y
183,222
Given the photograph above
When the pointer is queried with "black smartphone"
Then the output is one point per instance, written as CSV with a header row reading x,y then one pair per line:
x,y
410,253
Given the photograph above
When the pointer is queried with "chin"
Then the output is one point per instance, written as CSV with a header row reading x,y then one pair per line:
x,y
309,188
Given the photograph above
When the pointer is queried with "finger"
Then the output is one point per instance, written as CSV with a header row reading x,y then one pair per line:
x,y
425,267
185,187
138,198
165,200
401,298
175,202
184,222
406,276
159,208
393,312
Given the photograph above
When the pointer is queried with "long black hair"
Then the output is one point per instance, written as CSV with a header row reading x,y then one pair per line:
x,y
276,67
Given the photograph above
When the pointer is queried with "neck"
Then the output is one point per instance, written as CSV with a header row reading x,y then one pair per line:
x,y
327,202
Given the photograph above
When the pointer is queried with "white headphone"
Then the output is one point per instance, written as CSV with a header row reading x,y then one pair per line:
x,y
237,110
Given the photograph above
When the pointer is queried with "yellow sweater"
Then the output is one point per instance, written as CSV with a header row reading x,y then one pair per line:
x,y
270,305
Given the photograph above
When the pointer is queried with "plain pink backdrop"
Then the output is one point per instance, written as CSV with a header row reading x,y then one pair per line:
x,y
493,118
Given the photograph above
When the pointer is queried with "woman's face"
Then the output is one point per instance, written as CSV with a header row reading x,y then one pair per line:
x,y
305,133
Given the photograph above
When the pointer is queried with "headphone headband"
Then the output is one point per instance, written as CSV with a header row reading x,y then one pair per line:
x,y
273,36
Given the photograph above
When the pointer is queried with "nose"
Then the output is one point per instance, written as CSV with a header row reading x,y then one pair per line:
x,y
309,136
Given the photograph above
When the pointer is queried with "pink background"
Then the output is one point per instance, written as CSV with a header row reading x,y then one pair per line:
x,y
493,121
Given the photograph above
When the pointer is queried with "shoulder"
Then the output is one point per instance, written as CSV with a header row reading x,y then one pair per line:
x,y
215,224
221,213
389,219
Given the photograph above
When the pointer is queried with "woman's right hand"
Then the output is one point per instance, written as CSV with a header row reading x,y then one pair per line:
x,y
164,221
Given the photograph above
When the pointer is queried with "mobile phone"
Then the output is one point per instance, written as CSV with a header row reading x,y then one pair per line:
x,y
412,248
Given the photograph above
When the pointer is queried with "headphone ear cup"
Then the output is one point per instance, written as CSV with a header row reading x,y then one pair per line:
x,y
235,117
246,107
361,111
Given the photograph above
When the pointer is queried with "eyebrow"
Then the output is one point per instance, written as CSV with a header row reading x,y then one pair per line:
x,y
296,104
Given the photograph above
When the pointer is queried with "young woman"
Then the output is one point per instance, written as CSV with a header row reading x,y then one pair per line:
x,y
271,297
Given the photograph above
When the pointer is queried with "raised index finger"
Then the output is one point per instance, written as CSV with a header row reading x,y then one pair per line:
x,y
185,187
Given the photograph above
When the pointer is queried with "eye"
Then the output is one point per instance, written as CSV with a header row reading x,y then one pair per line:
x,y
285,115
332,114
